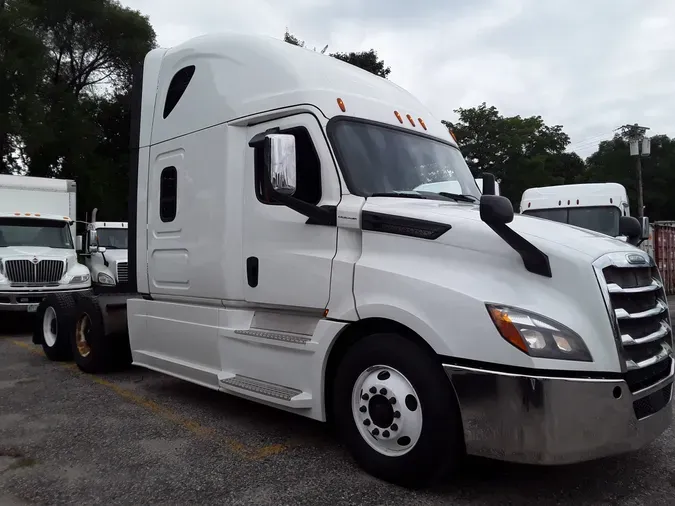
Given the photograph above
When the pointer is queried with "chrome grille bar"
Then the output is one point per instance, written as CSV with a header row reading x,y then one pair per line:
x,y
27,272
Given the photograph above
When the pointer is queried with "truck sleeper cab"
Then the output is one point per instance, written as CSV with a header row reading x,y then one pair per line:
x,y
594,206
282,254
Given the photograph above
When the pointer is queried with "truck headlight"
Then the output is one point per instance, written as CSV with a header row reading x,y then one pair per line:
x,y
538,336
104,279
79,279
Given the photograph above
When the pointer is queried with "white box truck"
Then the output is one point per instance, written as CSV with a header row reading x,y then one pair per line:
x,y
280,253
37,249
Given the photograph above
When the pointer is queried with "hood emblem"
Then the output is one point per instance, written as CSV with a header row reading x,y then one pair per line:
x,y
634,258
35,260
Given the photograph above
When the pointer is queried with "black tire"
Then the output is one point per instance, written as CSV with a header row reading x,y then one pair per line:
x,y
59,308
95,353
440,447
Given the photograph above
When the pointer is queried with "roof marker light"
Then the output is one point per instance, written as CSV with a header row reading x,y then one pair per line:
x,y
27,214
37,214
421,122
577,201
568,202
412,122
66,218
611,200
17,214
452,134
398,117
341,105
560,202
529,204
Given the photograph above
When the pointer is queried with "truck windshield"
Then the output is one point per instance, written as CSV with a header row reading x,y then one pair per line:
x,y
35,232
113,238
603,219
378,159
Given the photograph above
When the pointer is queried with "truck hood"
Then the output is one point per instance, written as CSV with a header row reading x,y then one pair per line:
x,y
468,228
116,255
36,251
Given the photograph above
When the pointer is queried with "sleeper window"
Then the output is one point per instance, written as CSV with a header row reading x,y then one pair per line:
x,y
168,194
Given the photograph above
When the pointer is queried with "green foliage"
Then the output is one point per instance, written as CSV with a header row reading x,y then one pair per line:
x,y
68,73
520,152
367,60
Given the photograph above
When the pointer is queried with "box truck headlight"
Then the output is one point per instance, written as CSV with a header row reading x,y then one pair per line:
x,y
104,279
79,279
538,336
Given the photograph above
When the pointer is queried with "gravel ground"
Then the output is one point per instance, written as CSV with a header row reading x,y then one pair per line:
x,y
143,438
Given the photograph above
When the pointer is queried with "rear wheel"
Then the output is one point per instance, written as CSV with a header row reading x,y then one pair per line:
x,y
53,324
396,411
92,349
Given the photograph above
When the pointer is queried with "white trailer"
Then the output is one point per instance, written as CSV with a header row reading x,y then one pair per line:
x,y
280,253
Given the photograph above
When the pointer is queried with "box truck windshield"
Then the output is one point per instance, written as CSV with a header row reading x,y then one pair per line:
x,y
35,232
599,219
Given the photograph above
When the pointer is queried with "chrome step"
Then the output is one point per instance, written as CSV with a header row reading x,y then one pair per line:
x,y
285,337
265,390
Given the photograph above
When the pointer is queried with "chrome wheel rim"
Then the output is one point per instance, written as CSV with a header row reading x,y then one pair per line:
x,y
81,332
387,410
50,327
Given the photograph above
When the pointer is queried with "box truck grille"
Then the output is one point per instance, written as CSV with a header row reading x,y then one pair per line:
x,y
28,273
638,310
122,272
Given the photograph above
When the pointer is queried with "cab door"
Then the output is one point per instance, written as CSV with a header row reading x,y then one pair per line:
x,y
288,260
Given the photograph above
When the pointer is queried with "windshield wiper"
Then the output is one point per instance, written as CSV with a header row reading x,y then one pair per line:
x,y
407,195
458,197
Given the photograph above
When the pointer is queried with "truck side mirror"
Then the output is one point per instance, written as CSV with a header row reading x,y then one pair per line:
x,y
93,242
630,227
78,243
645,228
489,184
495,210
280,163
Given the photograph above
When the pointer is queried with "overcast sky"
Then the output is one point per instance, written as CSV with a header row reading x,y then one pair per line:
x,y
590,65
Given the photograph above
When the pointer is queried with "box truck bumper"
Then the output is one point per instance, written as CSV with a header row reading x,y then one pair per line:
x,y
557,420
27,301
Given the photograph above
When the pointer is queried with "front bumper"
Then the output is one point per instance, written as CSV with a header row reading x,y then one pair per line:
x,y
553,420
25,300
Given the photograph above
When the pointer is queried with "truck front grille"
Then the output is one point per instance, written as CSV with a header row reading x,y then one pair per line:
x,y
122,272
28,273
638,310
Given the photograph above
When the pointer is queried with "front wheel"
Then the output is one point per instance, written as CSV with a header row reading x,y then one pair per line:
x,y
53,323
396,411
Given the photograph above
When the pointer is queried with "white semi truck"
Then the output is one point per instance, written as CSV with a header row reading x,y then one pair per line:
x,y
280,253
594,206
105,253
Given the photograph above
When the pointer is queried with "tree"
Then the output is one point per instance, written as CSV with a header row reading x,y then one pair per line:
x,y
612,162
91,48
520,152
22,63
367,60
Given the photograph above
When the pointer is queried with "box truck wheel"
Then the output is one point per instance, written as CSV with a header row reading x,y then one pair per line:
x,y
92,349
396,411
53,325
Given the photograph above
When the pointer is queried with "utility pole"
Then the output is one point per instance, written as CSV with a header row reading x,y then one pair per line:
x,y
635,135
